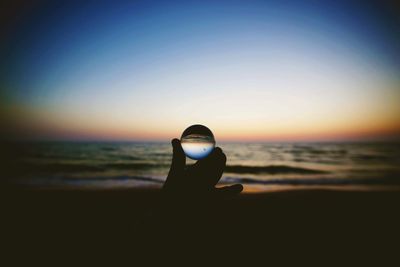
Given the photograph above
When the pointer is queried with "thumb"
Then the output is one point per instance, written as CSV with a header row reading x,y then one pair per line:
x,y
178,157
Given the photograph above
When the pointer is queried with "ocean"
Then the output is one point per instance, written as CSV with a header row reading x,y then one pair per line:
x,y
258,166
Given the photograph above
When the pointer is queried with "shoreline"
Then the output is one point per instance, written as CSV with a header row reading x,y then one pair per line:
x,y
248,188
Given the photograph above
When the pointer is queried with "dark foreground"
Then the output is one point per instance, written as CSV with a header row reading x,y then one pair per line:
x,y
41,225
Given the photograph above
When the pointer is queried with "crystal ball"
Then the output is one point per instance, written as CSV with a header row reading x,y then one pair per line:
x,y
197,141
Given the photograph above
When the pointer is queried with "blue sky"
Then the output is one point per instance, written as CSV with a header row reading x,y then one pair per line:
x,y
249,69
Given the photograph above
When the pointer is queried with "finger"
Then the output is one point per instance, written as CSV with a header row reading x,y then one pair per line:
x,y
178,157
216,155
231,190
209,170
218,166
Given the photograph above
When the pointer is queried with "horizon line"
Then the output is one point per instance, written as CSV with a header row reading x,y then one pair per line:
x,y
94,140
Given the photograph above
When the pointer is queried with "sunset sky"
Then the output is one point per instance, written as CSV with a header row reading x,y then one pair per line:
x,y
249,70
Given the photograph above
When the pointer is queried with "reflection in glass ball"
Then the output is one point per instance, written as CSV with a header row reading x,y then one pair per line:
x,y
197,141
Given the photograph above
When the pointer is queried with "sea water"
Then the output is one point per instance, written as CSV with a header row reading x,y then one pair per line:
x,y
258,166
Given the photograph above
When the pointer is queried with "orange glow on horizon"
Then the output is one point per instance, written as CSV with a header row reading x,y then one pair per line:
x,y
37,123
41,130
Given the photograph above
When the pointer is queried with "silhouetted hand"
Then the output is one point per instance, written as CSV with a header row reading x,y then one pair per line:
x,y
189,197
197,180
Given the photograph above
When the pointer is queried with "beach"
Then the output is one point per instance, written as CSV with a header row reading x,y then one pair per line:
x,y
313,223
70,201
165,133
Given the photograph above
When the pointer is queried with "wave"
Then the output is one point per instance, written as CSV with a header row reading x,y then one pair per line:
x,y
86,167
313,181
271,169
131,166
76,167
88,181
61,167
114,178
109,148
59,181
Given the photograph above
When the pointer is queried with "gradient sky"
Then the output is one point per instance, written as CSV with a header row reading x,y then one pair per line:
x,y
249,70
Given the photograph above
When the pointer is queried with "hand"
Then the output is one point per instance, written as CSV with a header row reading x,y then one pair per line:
x,y
197,180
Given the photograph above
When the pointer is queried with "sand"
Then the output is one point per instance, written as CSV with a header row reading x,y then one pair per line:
x,y
127,223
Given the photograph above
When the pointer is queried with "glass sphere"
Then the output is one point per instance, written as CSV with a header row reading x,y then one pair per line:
x,y
197,141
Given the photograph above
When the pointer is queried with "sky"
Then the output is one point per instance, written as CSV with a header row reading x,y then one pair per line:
x,y
248,70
